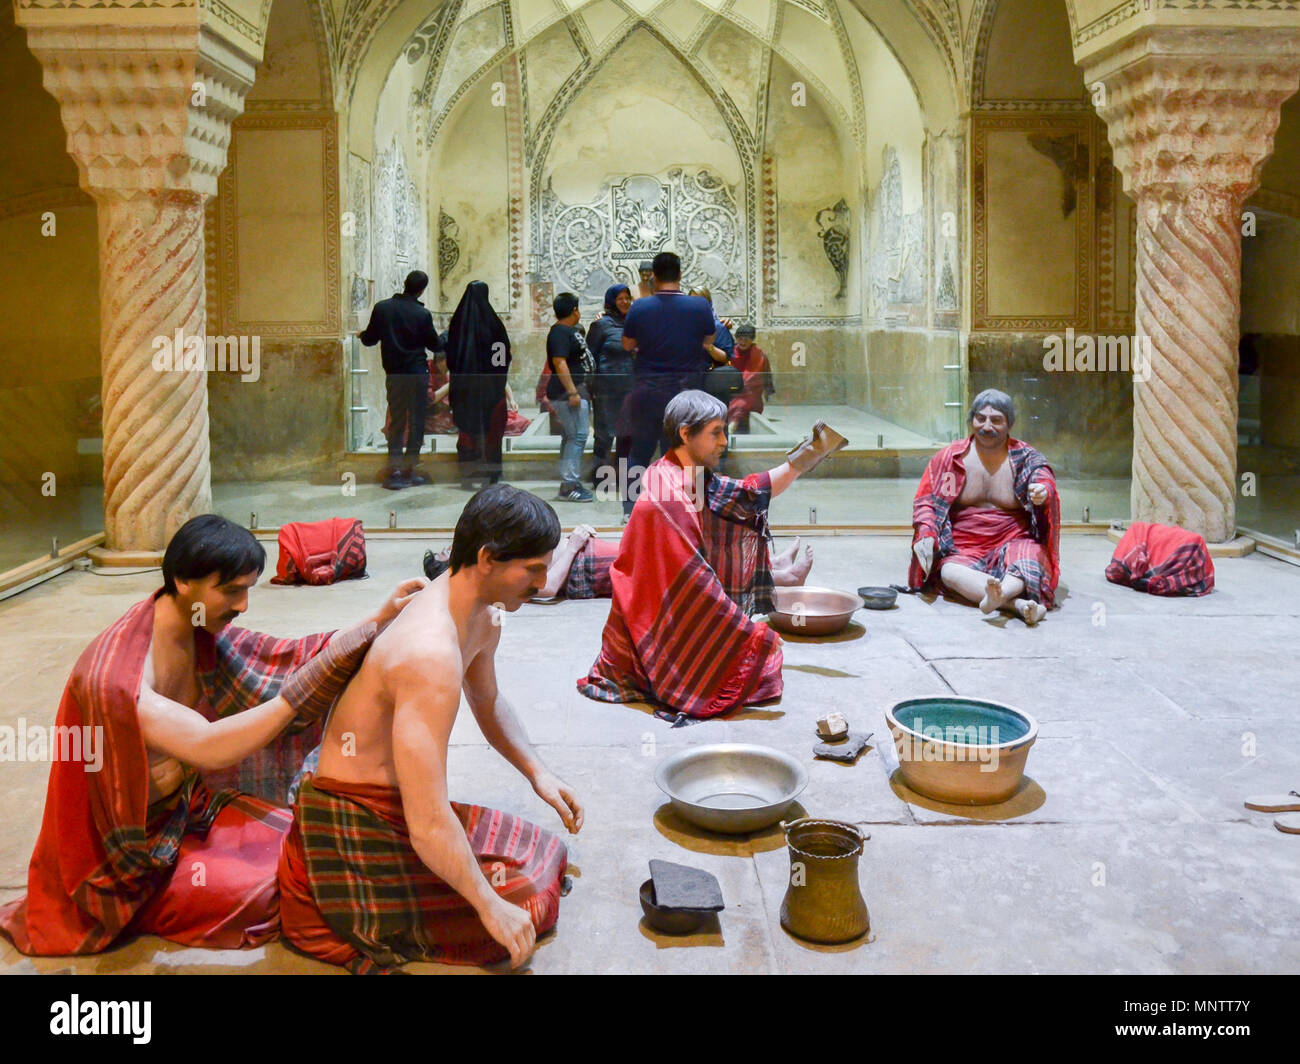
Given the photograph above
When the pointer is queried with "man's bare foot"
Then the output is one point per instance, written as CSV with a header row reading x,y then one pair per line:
x,y
1029,611
786,558
800,567
992,599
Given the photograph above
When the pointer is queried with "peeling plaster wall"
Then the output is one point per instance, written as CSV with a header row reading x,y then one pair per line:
x,y
641,113
1051,243
468,177
814,171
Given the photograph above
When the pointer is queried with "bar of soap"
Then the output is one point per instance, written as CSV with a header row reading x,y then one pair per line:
x,y
833,726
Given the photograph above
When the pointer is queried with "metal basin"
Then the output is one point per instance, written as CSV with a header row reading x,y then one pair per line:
x,y
812,610
733,788
965,751
878,598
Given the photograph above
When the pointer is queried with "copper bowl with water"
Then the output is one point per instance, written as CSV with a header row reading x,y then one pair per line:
x,y
812,610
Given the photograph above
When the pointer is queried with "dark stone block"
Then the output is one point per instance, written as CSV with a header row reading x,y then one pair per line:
x,y
681,887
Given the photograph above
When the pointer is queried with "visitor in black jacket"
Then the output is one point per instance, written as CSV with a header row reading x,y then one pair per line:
x,y
403,328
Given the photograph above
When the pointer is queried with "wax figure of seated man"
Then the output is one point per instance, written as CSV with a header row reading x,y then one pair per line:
x,y
433,880
152,841
581,565
692,566
987,511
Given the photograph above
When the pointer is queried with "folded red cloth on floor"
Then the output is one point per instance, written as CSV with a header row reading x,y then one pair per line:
x,y
1162,560
321,552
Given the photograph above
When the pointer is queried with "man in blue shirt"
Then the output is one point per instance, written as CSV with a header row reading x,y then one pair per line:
x,y
672,335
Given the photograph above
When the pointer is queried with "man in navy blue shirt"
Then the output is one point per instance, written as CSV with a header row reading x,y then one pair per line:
x,y
672,335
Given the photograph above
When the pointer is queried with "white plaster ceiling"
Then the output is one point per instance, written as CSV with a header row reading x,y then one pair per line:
x,y
557,38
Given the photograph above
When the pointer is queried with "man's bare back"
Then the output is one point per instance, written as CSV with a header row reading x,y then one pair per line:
x,y
358,742
989,483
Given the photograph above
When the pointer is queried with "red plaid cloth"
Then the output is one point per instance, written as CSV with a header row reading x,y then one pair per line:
x,y
1162,560
687,577
589,574
355,892
102,852
321,552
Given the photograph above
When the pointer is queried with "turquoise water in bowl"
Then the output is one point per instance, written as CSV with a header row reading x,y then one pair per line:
x,y
970,723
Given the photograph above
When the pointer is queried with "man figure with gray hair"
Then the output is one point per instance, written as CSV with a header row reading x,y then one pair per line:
x,y
987,518
692,566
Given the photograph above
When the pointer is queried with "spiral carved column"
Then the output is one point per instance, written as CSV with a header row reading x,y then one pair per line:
x,y
151,284
1191,117
148,112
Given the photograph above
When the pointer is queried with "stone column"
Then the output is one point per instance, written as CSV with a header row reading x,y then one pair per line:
x,y
1191,116
148,110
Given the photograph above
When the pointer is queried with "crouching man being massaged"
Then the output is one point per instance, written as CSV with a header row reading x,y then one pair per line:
x,y
988,513
380,867
153,842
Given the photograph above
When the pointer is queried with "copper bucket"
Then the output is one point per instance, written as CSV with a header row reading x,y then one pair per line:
x,y
823,902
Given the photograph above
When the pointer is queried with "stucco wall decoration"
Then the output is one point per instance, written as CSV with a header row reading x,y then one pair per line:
x,y
399,230
896,258
833,228
589,246
448,248
359,205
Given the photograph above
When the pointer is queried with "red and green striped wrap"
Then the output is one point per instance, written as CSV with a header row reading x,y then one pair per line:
x,y
103,851
375,892
693,565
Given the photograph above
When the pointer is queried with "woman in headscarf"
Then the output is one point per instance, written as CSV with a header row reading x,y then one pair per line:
x,y
613,379
478,359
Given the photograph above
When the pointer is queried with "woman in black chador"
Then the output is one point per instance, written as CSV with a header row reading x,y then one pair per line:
x,y
478,358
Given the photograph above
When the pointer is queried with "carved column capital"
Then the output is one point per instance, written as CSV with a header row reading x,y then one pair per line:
x,y
1194,111
146,107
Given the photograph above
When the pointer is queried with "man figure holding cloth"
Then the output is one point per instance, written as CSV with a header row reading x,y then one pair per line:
x,y
177,833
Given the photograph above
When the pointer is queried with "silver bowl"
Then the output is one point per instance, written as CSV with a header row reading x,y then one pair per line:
x,y
812,610
733,788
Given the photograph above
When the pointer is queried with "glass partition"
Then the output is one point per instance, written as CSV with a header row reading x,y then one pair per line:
x,y
894,425
51,469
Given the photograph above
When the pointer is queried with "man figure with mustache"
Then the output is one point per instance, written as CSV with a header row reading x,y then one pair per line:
x,y
177,832
987,512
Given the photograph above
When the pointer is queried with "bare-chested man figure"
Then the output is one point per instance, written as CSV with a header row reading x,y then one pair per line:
x,y
381,867
988,513
149,841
